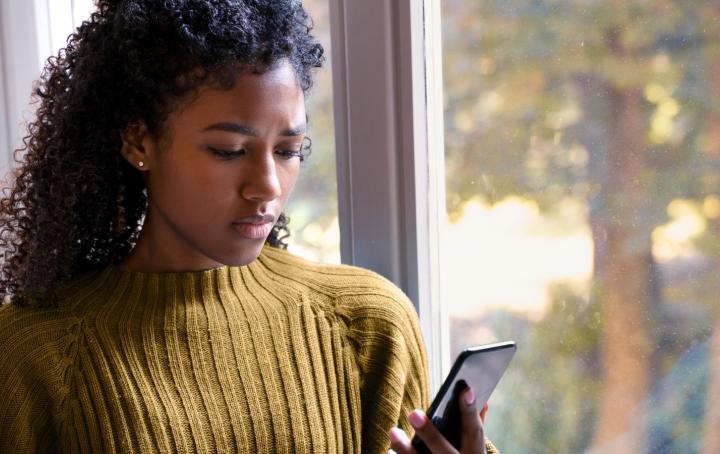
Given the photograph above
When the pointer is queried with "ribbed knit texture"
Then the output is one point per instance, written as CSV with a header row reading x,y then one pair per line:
x,y
282,355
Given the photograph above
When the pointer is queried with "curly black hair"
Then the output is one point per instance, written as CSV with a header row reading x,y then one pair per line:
x,y
75,204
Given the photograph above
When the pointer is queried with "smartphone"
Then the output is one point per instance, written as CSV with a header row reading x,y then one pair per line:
x,y
479,367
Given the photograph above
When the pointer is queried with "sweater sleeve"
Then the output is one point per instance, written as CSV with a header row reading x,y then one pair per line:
x,y
26,424
391,359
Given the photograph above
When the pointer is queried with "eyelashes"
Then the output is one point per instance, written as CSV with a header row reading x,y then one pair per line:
x,y
231,154
302,153
226,154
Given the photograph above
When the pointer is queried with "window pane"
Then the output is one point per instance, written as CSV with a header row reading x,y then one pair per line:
x,y
312,208
583,192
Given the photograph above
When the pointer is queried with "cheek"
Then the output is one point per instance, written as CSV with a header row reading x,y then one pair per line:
x,y
290,177
192,186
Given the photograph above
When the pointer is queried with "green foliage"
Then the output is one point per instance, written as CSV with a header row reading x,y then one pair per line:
x,y
516,119
545,402
678,403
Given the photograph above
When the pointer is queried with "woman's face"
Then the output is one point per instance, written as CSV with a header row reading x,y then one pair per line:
x,y
221,175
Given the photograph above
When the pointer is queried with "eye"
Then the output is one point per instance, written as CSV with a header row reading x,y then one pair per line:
x,y
226,154
289,154
302,153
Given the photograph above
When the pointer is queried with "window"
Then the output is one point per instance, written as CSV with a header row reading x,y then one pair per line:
x,y
583,193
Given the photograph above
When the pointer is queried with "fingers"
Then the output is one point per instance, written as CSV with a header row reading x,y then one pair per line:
x,y
473,438
427,432
400,442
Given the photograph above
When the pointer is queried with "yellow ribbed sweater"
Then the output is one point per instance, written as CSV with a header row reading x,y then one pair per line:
x,y
282,355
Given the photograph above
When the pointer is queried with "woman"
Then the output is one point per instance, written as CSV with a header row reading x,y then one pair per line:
x,y
152,306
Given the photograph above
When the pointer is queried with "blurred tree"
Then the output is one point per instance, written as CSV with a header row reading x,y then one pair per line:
x,y
551,419
599,100
711,436
711,241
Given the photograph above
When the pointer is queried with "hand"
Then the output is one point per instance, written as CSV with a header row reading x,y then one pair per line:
x,y
473,437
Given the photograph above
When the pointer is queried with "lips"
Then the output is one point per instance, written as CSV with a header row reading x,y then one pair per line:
x,y
253,231
254,227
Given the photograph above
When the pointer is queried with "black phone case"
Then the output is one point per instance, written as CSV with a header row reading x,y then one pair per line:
x,y
450,423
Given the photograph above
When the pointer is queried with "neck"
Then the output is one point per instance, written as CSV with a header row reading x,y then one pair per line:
x,y
161,249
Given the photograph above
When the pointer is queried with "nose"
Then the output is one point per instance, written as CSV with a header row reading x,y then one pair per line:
x,y
260,181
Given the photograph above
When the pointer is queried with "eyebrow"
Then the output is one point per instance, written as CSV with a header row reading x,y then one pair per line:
x,y
237,128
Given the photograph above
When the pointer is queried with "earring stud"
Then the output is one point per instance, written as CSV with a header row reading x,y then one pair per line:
x,y
140,163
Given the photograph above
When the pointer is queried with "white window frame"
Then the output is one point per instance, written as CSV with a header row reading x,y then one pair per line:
x,y
387,81
30,31
19,53
5,142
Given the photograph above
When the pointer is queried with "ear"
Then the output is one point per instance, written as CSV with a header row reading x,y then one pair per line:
x,y
138,146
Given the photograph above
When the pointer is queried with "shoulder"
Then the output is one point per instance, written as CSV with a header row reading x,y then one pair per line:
x,y
32,325
379,318
382,330
361,295
32,339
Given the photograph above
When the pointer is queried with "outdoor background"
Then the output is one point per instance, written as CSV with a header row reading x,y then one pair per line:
x,y
583,183
583,194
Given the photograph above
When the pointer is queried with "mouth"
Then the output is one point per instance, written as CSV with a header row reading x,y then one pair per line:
x,y
253,231
254,227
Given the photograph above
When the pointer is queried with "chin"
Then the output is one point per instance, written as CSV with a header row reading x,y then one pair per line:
x,y
242,258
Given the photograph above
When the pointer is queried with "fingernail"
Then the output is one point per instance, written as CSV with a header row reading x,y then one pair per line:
x,y
397,435
417,419
469,396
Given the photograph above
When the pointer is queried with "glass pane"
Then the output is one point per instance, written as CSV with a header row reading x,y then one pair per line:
x,y
312,208
583,193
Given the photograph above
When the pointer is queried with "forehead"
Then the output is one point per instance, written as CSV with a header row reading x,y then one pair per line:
x,y
273,96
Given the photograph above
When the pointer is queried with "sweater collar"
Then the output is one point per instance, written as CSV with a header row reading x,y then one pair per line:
x,y
117,290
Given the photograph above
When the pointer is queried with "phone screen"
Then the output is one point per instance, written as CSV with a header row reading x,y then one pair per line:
x,y
481,368
478,367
